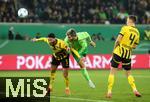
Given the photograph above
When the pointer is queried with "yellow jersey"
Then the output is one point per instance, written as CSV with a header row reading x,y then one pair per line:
x,y
59,49
130,37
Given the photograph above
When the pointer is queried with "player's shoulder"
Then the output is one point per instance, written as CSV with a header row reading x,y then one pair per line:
x,y
66,38
79,33
82,35
124,27
60,40
127,28
135,29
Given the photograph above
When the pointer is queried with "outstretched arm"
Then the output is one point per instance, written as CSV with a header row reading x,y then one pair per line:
x,y
40,39
34,39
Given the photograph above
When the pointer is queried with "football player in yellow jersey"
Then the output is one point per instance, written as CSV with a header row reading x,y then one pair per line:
x,y
60,55
127,40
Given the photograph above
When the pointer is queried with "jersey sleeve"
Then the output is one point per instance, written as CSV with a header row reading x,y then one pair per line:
x,y
84,35
43,39
137,41
88,37
123,30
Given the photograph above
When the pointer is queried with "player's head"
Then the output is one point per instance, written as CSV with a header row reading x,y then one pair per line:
x,y
51,38
71,34
131,20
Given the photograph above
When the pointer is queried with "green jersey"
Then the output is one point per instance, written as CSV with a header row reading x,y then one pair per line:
x,y
81,43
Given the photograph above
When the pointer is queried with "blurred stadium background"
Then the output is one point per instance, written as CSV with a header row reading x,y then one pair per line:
x,y
102,19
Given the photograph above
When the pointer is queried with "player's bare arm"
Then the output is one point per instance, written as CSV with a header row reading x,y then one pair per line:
x,y
34,39
134,46
92,43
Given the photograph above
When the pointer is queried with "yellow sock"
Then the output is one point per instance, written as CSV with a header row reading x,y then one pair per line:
x,y
52,78
67,82
110,82
131,82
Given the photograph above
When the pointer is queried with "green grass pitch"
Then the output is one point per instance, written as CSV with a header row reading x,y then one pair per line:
x,y
81,92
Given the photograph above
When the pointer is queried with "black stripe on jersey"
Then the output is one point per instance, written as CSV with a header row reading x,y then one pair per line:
x,y
60,45
122,52
121,34
126,53
129,54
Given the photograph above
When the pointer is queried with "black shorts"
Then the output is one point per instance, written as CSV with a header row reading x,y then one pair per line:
x,y
64,61
115,61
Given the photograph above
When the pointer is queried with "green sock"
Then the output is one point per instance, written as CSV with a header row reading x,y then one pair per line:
x,y
85,74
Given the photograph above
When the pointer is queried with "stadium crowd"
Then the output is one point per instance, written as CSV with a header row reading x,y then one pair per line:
x,y
76,11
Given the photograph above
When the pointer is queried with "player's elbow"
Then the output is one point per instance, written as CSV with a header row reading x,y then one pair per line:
x,y
134,46
117,43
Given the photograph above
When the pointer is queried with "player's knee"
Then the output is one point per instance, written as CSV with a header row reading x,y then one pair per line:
x,y
81,64
128,73
65,74
53,71
113,70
